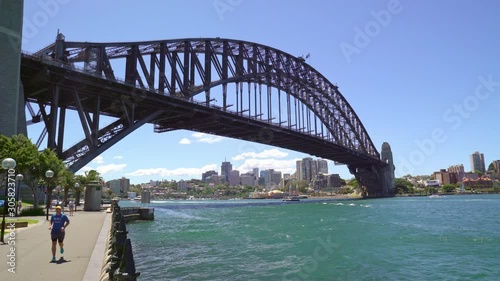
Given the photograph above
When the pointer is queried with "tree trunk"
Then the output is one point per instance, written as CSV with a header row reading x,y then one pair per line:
x,y
77,198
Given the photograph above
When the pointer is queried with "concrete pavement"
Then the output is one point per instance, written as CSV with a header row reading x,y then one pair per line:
x,y
83,250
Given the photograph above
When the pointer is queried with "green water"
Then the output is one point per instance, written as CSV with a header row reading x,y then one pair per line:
x,y
448,238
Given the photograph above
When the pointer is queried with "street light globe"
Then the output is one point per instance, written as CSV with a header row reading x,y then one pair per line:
x,y
49,173
8,163
77,185
19,177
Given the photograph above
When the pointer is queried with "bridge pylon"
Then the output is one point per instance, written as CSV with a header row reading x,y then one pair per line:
x,y
377,181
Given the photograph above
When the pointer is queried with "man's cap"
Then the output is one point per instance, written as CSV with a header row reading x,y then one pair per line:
x,y
58,207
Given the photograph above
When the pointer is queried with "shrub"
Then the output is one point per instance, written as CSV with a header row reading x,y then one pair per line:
x,y
32,212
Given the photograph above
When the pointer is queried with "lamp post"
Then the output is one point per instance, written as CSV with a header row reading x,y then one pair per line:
x,y
49,174
77,185
58,189
7,164
19,178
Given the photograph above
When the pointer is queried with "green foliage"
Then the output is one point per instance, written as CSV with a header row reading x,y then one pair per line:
x,y
345,190
32,212
448,188
491,167
353,182
403,186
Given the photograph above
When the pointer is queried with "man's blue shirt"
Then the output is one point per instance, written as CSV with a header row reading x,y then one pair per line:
x,y
58,221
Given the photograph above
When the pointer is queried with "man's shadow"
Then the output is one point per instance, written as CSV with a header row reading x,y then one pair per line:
x,y
60,261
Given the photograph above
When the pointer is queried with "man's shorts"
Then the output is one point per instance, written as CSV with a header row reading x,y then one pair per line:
x,y
57,236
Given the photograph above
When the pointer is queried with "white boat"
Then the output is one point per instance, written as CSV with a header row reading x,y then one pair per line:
x,y
434,196
138,198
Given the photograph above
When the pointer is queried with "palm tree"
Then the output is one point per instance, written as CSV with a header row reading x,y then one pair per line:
x,y
84,180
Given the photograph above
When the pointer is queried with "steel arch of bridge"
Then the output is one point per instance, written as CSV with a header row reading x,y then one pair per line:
x,y
186,68
234,61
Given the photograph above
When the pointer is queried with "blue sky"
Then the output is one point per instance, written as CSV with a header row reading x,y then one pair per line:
x,y
421,75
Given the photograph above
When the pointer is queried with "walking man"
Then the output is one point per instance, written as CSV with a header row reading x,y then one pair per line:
x,y
58,224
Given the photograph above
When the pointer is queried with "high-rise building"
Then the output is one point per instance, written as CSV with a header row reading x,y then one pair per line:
x,y
205,177
225,168
309,169
322,166
496,165
256,173
477,162
234,178
298,172
119,185
248,179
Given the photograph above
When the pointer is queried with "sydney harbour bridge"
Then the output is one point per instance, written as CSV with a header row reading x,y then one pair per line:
x,y
225,87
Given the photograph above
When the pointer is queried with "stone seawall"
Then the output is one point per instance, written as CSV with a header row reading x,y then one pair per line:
x,y
119,261
137,213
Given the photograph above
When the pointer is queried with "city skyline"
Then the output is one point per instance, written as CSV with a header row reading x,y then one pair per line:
x,y
418,85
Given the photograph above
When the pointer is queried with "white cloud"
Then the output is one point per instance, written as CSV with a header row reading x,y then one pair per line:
x,y
118,157
202,137
83,170
98,160
283,166
104,169
269,153
163,172
184,141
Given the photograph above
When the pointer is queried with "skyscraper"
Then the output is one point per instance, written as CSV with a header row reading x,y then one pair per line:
x,y
477,162
225,169
322,166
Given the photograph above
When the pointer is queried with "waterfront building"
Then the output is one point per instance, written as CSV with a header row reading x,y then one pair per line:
x,y
119,186
442,176
480,182
477,162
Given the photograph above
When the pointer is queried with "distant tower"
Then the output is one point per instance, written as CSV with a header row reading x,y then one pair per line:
x,y
12,115
477,162
322,166
225,169
386,156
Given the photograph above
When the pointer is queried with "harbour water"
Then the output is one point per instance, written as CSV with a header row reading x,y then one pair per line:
x,y
412,238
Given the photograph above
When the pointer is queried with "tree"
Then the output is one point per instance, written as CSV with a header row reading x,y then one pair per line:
x,y
491,167
448,188
67,180
50,161
27,159
403,186
84,180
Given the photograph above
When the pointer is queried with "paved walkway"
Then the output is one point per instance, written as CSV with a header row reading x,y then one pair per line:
x,y
83,250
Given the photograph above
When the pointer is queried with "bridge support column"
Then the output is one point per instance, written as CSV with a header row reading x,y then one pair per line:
x,y
12,119
377,181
